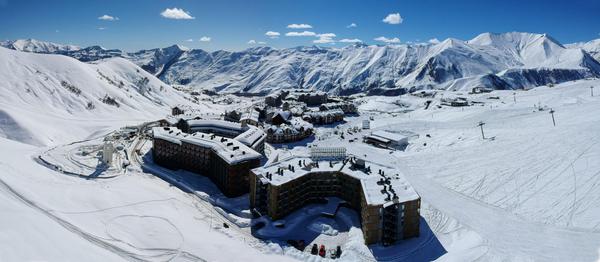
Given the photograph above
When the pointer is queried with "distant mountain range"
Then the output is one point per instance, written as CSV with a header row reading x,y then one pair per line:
x,y
500,61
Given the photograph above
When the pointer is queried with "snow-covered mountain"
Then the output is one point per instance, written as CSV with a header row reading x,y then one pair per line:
x,y
155,61
500,61
592,47
38,89
32,45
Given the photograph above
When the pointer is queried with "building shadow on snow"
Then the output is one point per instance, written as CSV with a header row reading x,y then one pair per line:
x,y
329,216
336,217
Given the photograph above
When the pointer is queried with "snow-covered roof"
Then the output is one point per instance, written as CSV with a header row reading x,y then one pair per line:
x,y
297,122
230,150
171,120
334,105
251,115
252,136
248,135
372,182
326,113
295,125
212,123
378,138
284,114
385,135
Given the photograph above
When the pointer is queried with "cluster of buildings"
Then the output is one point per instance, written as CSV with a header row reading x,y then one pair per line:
x,y
229,152
388,206
324,111
455,101
309,97
324,117
294,130
347,108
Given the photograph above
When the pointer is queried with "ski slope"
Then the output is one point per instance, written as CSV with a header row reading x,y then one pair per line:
x,y
529,191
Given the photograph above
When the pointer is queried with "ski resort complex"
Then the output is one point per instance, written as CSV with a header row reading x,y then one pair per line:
x,y
276,131
388,205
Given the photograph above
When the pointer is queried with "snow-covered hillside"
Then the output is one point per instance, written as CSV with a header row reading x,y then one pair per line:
x,y
35,46
500,61
592,47
42,92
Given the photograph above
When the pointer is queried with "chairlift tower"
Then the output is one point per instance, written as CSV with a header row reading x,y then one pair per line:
x,y
592,90
481,123
552,113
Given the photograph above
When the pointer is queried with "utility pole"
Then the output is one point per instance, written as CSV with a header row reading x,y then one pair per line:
x,y
481,123
552,113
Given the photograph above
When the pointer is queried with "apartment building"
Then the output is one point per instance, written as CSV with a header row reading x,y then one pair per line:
x,y
227,162
388,206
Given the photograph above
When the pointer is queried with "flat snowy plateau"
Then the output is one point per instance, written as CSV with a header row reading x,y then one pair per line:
x,y
530,191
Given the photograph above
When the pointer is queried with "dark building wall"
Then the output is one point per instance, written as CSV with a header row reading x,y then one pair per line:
x,y
279,201
232,179
412,218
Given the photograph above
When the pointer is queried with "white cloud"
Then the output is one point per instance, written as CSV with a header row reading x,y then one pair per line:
x,y
384,39
327,35
205,39
101,28
272,34
325,38
305,33
393,19
176,13
57,31
346,40
434,41
108,18
351,25
323,41
299,26
189,40
254,42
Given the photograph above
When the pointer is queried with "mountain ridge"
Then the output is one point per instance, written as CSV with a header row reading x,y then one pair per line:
x,y
531,59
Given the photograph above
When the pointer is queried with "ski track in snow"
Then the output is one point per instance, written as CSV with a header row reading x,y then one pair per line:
x,y
506,232
100,242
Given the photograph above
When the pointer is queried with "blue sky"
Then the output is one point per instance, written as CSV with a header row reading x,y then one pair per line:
x,y
230,25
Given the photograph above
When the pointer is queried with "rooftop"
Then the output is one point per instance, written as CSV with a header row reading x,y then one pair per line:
x,y
230,150
374,177
219,124
251,115
251,136
389,136
327,112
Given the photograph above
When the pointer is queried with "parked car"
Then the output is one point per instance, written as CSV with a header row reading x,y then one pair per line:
x,y
332,253
322,251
